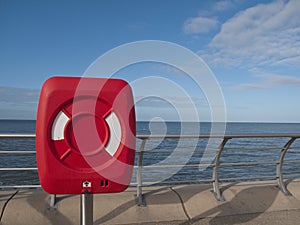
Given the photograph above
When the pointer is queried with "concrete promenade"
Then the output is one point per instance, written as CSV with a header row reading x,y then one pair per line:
x,y
245,203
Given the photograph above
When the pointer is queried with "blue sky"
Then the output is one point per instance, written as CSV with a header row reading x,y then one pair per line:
x,y
252,47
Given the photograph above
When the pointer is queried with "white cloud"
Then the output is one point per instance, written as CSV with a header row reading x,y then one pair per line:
x,y
205,22
250,86
167,101
266,34
282,80
198,25
18,95
223,5
18,103
269,81
173,108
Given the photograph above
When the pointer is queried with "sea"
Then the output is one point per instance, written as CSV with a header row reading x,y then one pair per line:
x,y
176,160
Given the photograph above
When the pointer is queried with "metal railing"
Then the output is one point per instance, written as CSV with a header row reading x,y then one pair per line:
x,y
216,161
19,136
215,180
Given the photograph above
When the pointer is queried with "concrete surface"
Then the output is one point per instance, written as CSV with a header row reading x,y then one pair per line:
x,y
245,203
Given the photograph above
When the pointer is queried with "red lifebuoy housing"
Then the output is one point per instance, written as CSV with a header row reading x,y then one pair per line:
x,y
85,135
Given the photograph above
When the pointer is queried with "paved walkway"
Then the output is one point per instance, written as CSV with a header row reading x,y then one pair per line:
x,y
245,203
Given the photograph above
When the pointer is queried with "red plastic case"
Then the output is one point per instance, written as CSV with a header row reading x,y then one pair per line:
x,y
85,135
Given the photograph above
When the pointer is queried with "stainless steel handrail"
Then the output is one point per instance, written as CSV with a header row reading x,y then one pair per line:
x,y
17,135
216,163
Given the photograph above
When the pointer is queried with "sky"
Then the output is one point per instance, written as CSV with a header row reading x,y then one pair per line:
x,y
251,47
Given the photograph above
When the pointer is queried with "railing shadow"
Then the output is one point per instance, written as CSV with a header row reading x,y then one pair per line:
x,y
153,197
247,205
42,207
124,207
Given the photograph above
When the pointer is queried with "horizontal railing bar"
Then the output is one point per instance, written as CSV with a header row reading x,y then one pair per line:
x,y
186,181
180,136
16,169
209,180
172,182
187,165
21,186
175,166
178,150
165,150
252,149
211,150
220,136
247,178
17,152
247,163
17,135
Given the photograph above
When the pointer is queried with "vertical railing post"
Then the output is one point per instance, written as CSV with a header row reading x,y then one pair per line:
x,y
279,176
139,191
215,178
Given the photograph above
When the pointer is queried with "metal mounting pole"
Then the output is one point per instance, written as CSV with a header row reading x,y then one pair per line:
x,y
86,209
139,192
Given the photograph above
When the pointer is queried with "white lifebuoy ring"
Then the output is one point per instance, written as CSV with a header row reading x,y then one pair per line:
x,y
115,131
